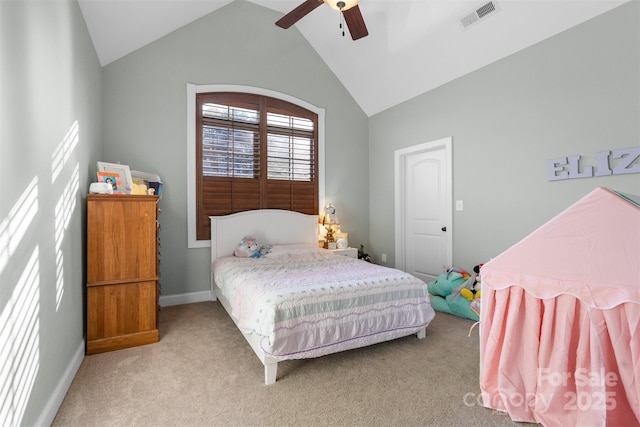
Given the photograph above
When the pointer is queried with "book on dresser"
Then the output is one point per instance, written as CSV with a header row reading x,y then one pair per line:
x,y
122,271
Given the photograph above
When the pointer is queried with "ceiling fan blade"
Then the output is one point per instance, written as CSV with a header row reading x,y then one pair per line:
x,y
355,23
298,13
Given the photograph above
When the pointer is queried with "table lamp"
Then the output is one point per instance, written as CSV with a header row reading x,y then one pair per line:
x,y
329,220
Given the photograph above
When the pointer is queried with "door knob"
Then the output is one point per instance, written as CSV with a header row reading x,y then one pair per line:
x,y
444,228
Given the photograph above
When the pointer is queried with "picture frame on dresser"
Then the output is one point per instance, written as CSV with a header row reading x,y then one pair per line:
x,y
111,178
116,168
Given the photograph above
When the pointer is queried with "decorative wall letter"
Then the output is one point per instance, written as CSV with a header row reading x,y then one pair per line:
x,y
602,163
628,157
555,169
625,160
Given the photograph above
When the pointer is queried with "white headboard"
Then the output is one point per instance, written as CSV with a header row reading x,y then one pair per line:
x,y
267,226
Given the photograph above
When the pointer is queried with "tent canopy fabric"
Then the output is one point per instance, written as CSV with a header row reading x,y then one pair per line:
x,y
563,305
590,250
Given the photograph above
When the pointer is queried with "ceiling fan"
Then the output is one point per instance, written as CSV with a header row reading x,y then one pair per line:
x,y
349,9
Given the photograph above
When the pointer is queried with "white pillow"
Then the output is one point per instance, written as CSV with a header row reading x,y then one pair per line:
x,y
293,249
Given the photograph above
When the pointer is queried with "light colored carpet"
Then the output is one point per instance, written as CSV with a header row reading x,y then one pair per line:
x,y
203,373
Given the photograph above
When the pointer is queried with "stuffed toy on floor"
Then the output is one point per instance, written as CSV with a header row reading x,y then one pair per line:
x,y
457,292
448,282
471,291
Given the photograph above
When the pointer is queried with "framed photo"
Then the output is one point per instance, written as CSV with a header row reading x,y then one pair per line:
x,y
122,170
111,178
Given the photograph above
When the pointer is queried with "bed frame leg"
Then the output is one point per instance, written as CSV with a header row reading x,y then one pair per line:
x,y
270,372
422,333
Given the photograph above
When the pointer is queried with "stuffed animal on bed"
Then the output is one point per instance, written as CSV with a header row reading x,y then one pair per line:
x,y
249,248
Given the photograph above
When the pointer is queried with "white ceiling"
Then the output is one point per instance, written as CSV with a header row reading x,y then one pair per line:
x,y
413,45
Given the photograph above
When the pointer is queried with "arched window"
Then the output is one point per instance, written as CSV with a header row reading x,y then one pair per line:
x,y
253,151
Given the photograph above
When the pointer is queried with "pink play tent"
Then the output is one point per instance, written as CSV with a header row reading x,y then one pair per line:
x,y
560,318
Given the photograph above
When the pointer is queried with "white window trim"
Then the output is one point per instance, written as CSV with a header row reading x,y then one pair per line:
x,y
192,90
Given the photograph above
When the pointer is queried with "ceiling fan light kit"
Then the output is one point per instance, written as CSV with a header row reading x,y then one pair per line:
x,y
342,5
348,8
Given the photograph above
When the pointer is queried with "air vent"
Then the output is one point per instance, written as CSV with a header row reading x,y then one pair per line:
x,y
480,13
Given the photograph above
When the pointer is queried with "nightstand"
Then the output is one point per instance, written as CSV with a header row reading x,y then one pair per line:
x,y
350,252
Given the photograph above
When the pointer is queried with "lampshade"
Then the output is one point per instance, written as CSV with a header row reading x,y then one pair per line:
x,y
329,216
348,4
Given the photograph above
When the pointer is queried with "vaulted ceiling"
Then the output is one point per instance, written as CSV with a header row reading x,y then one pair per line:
x,y
413,46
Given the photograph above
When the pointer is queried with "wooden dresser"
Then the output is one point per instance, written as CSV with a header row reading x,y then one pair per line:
x,y
122,271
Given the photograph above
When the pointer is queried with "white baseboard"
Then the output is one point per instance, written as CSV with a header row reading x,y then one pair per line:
x,y
55,401
188,298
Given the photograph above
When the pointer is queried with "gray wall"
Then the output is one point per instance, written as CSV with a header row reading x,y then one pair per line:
x,y
50,80
145,118
577,93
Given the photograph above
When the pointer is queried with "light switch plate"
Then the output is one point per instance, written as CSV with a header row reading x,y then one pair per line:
x,y
459,205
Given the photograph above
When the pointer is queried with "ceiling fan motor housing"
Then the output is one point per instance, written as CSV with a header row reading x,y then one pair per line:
x,y
342,5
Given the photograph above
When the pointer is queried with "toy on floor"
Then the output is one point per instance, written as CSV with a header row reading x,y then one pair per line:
x,y
471,289
448,282
457,292
472,292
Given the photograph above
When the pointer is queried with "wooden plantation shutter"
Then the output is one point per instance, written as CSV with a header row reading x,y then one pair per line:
x,y
291,158
253,152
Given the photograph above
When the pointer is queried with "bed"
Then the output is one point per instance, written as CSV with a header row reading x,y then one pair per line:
x,y
301,301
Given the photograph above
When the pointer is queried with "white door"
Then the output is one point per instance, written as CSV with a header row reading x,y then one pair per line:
x,y
424,209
